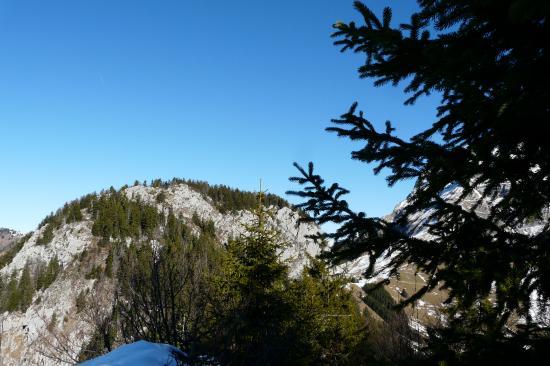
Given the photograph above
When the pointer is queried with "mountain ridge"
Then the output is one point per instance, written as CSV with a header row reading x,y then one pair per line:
x,y
73,238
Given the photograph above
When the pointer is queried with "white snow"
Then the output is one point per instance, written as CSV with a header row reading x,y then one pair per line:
x,y
414,324
140,353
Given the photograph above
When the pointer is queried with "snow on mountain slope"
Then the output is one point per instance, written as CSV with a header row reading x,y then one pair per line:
x,y
417,227
52,331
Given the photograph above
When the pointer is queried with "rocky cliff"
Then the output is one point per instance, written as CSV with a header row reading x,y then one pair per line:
x,y
52,330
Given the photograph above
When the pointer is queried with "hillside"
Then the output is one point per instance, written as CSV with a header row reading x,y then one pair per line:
x,y
428,310
68,258
7,238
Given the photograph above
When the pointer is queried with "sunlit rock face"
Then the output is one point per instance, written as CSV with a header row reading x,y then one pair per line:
x,y
52,330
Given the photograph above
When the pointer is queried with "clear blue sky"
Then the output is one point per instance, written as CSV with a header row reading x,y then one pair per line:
x,y
100,93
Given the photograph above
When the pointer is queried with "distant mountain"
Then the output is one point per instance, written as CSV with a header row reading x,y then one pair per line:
x,y
427,310
7,238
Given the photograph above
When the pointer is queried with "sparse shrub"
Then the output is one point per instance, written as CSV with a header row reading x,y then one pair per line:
x,y
109,264
80,301
47,235
95,273
45,277
53,322
161,197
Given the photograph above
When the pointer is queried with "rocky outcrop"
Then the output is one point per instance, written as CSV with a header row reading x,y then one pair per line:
x,y
7,238
52,331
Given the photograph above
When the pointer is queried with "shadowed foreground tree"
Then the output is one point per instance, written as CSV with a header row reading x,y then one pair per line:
x,y
164,292
489,61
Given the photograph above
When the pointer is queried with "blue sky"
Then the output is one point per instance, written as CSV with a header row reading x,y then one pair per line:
x,y
100,93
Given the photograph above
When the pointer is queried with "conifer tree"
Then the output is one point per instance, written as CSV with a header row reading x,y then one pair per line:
x,y
47,235
73,213
269,318
47,276
252,289
13,295
488,60
26,288
330,329
135,220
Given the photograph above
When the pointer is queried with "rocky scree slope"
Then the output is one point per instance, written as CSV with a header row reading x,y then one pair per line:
x,y
52,330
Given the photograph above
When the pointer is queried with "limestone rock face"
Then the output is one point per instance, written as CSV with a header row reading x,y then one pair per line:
x,y
52,331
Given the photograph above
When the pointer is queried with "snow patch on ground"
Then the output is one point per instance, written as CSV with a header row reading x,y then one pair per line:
x,y
414,324
140,353
357,267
